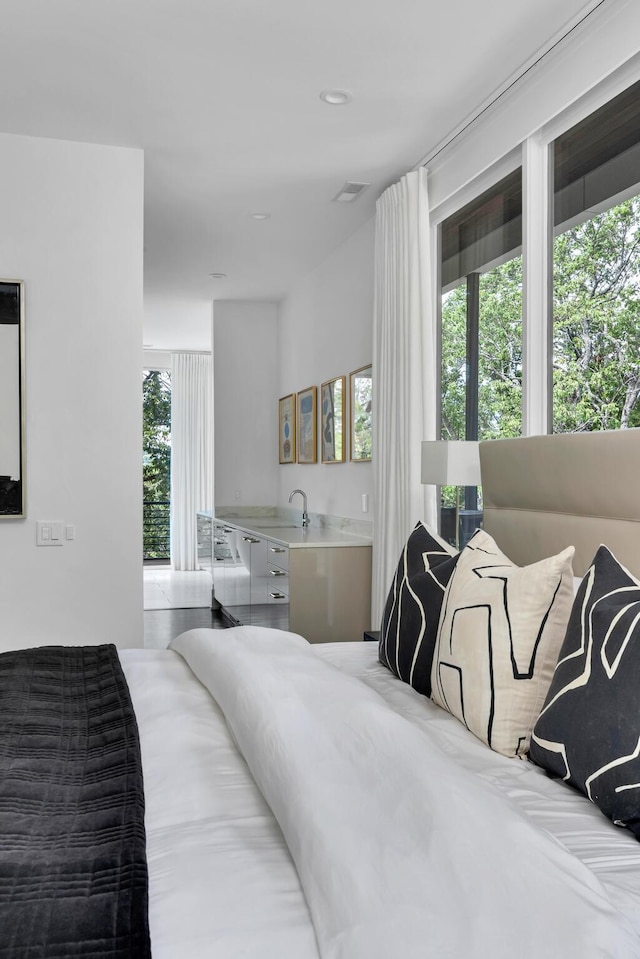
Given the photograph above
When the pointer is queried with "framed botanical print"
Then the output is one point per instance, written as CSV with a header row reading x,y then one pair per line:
x,y
332,402
307,449
287,428
360,388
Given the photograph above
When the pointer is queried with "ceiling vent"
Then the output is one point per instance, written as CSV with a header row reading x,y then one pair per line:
x,y
350,191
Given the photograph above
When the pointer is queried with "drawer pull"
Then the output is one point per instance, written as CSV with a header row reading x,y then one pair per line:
x,y
250,539
277,595
278,549
228,529
277,572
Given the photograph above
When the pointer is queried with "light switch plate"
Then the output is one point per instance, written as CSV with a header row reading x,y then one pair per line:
x,y
49,532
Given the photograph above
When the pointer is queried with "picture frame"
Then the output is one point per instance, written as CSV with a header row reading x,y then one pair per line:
x,y
332,418
307,418
12,400
287,429
361,403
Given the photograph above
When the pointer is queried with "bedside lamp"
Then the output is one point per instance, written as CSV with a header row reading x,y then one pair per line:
x,y
451,463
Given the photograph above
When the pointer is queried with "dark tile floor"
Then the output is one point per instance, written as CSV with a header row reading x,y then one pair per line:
x,y
163,625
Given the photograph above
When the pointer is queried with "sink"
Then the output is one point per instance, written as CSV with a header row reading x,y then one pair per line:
x,y
262,522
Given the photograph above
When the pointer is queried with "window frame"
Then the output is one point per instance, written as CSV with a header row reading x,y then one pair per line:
x,y
535,155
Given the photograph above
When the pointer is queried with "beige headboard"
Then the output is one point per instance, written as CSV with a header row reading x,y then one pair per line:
x,y
543,493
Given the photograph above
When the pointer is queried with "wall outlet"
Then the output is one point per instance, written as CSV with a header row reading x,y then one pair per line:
x,y
237,494
365,502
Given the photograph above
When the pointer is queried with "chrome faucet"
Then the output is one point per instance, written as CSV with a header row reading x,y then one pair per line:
x,y
305,515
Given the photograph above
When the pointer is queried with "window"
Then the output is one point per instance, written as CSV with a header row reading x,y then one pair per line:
x,y
481,328
596,270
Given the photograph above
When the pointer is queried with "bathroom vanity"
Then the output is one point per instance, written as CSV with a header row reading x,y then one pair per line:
x,y
319,576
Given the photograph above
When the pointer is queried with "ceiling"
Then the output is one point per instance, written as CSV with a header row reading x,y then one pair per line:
x,y
223,97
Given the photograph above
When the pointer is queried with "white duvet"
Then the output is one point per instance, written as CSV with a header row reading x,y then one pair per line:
x,y
398,851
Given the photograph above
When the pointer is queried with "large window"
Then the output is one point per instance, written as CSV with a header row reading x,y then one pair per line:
x,y
481,338
596,270
481,328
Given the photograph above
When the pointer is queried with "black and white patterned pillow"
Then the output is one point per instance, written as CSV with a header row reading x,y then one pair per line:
x,y
410,619
500,631
588,732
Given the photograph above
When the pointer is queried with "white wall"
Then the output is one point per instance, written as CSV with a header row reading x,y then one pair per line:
x,y
245,363
71,228
326,330
177,324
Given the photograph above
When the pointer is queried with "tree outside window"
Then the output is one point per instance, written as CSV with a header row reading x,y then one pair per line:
x,y
156,462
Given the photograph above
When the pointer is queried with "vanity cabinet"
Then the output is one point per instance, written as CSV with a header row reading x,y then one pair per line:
x,y
226,564
330,593
204,541
277,573
252,550
240,576
324,590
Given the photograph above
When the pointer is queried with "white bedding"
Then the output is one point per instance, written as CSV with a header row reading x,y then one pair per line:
x,y
410,836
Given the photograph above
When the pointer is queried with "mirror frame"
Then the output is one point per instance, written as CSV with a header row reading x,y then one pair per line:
x,y
12,489
338,421
353,377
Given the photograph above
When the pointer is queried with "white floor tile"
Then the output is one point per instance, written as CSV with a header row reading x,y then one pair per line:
x,y
165,588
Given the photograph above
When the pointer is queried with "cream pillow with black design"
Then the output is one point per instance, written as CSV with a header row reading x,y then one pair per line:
x,y
501,628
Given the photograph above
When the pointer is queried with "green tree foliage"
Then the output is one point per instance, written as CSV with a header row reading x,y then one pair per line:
x,y
596,360
596,334
500,355
156,435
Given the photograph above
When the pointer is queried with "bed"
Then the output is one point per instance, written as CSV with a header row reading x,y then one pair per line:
x,y
305,802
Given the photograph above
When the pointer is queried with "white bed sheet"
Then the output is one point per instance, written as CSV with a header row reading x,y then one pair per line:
x,y
221,880
220,871
612,853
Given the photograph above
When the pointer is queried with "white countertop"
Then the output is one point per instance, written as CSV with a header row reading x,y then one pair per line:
x,y
271,527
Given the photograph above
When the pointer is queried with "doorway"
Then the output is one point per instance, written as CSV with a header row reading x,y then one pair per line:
x,y
164,587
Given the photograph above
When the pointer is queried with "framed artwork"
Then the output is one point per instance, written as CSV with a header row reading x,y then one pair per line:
x,y
12,409
361,390
307,449
287,428
332,401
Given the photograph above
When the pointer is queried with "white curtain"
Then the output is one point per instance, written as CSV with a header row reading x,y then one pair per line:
x,y
191,452
404,370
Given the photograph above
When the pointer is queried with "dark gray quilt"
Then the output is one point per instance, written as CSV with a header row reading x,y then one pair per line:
x,y
73,869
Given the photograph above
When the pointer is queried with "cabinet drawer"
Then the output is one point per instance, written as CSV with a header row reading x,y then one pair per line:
x,y
276,595
277,578
278,555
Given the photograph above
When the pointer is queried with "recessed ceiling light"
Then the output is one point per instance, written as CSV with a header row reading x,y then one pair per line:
x,y
260,216
218,276
336,98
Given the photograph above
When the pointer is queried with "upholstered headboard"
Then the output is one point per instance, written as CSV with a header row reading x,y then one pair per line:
x,y
543,493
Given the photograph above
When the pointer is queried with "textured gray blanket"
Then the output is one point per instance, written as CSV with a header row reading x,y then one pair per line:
x,y
73,871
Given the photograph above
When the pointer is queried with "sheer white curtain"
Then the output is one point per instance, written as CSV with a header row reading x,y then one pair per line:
x,y
404,370
191,452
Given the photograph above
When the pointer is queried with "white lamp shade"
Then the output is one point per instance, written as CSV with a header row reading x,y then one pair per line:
x,y
453,463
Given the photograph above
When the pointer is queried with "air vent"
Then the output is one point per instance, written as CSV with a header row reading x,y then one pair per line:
x,y
350,191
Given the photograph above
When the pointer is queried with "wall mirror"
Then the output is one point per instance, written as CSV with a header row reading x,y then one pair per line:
x,y
11,398
332,396
360,383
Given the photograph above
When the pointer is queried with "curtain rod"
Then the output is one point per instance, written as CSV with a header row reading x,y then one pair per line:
x,y
473,117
